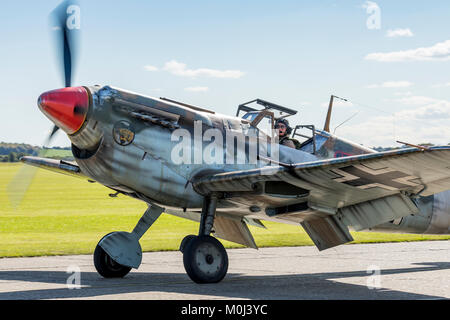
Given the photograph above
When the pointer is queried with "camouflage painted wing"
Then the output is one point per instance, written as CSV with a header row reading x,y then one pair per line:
x,y
59,166
340,182
328,196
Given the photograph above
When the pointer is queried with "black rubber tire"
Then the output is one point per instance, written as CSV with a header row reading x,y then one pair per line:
x,y
185,241
205,260
106,266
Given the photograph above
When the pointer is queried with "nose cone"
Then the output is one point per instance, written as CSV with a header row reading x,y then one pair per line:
x,y
66,107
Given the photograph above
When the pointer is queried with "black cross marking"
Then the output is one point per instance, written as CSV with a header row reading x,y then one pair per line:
x,y
382,179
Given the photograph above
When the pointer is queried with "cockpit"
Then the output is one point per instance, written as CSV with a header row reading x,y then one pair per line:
x,y
264,120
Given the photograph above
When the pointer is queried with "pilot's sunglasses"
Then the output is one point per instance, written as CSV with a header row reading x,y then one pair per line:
x,y
278,126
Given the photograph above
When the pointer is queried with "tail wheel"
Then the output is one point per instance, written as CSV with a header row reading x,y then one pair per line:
x,y
106,266
205,259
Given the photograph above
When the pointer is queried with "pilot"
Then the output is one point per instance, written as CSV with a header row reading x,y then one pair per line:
x,y
284,130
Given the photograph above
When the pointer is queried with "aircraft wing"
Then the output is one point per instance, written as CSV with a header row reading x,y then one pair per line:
x,y
60,166
328,196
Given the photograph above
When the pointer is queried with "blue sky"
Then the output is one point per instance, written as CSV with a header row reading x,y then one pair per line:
x,y
218,54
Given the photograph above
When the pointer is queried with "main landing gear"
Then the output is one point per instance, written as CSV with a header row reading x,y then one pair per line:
x,y
118,252
204,257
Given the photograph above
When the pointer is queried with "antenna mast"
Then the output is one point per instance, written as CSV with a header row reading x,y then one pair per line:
x,y
326,128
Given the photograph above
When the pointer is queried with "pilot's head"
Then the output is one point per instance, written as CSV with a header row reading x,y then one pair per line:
x,y
282,125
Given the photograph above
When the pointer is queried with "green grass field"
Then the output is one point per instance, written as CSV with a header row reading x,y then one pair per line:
x,y
55,153
61,215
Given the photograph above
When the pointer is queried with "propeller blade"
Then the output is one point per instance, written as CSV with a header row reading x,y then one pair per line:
x,y
22,180
50,137
65,26
19,185
67,60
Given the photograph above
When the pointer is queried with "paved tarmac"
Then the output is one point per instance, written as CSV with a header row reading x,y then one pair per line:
x,y
416,270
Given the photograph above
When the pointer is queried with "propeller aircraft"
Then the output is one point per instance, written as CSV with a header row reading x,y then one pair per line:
x,y
229,172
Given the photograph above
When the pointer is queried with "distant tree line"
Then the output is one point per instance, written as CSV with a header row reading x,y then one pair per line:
x,y
12,152
381,149
12,157
7,148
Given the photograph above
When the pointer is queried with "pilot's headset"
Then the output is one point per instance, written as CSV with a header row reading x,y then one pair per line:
x,y
286,123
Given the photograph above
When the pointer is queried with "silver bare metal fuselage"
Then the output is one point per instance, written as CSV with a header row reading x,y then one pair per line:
x,y
145,165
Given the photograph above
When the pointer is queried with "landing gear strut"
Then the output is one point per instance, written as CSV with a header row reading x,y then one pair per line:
x,y
118,252
204,257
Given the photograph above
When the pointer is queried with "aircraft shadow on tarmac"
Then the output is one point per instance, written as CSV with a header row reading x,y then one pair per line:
x,y
315,286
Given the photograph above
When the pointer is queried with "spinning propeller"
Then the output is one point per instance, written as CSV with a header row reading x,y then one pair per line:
x,y
70,114
65,27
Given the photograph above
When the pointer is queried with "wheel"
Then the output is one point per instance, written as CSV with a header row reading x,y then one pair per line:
x,y
106,266
185,241
205,260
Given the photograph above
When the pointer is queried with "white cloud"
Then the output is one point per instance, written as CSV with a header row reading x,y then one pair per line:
x,y
418,100
435,110
391,84
196,89
438,52
180,69
399,33
441,85
428,122
406,93
151,68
